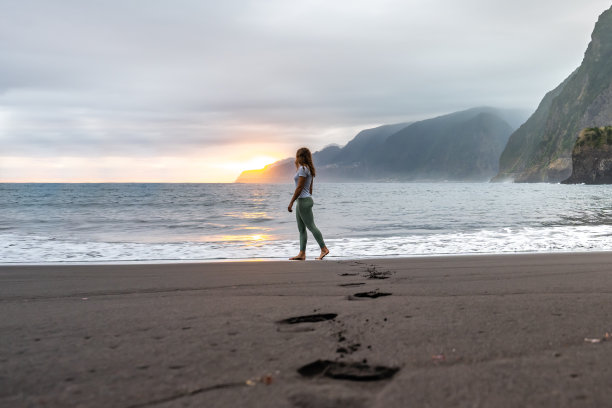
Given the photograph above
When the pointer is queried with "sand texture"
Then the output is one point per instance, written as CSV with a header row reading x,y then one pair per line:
x,y
485,331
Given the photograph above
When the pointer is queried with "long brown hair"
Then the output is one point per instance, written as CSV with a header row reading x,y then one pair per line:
x,y
303,157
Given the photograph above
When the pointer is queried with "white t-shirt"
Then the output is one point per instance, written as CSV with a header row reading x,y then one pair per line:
x,y
303,172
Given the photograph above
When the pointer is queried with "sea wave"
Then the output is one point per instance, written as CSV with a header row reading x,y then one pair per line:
x,y
40,249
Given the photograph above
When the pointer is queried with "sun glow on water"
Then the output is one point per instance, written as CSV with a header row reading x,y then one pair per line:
x,y
247,240
249,215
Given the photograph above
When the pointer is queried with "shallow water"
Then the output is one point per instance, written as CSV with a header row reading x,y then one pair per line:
x,y
42,223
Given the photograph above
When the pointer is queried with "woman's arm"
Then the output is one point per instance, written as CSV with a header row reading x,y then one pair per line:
x,y
298,190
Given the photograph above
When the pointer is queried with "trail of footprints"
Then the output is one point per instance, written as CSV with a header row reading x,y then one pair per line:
x,y
340,370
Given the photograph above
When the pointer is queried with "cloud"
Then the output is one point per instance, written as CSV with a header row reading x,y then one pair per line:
x,y
147,77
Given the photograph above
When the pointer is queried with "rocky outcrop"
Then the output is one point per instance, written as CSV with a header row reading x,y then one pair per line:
x,y
592,157
541,149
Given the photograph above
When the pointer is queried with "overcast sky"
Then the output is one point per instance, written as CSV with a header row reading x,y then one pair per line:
x,y
196,90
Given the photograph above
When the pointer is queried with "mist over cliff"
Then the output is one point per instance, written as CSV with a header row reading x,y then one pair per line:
x,y
461,146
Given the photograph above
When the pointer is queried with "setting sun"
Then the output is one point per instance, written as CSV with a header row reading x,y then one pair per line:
x,y
258,162
249,163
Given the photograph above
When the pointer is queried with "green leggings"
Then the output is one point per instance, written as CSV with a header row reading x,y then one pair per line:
x,y
304,217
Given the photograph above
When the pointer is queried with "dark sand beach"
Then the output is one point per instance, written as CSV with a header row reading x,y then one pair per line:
x,y
472,331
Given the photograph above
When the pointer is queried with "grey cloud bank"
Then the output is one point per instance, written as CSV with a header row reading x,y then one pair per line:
x,y
149,77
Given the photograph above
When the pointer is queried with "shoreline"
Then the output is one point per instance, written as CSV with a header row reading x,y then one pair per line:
x,y
328,259
481,330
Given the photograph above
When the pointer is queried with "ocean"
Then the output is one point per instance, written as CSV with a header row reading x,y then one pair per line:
x,y
106,223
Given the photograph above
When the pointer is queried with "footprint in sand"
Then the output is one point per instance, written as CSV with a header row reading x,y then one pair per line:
x,y
347,371
315,318
371,294
321,317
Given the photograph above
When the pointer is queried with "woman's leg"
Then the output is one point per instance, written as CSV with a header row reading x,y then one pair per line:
x,y
303,236
304,209
301,226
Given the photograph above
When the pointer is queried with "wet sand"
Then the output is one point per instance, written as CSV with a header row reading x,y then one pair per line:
x,y
473,331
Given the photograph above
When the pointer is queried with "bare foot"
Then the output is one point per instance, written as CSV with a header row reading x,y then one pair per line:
x,y
298,258
324,252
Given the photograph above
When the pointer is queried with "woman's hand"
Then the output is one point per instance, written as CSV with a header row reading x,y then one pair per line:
x,y
290,208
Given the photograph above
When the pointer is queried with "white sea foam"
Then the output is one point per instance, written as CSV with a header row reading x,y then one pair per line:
x,y
37,249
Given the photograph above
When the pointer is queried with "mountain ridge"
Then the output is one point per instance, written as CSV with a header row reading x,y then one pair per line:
x,y
460,146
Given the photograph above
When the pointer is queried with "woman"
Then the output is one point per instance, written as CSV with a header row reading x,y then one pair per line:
x,y
303,212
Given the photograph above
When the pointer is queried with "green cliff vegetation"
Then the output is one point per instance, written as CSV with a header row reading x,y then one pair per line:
x,y
595,137
540,150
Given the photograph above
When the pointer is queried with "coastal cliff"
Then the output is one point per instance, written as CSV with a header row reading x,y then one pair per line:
x,y
541,149
592,157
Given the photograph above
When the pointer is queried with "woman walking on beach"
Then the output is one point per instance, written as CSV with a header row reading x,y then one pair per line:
x,y
303,211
